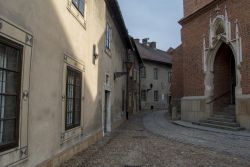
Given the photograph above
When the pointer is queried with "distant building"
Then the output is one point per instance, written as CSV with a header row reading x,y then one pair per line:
x,y
155,76
133,101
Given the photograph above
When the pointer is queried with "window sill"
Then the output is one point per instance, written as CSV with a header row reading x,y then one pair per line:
x,y
75,12
70,134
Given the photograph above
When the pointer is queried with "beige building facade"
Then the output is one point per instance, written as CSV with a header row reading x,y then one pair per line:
x,y
61,57
155,77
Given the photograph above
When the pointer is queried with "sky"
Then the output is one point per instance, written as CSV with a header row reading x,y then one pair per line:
x,y
154,19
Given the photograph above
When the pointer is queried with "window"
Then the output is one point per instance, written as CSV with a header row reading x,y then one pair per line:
x,y
156,95
156,73
107,79
123,100
143,72
108,36
73,98
10,79
169,77
79,4
144,95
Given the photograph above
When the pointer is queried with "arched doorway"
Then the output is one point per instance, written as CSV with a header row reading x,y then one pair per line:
x,y
224,80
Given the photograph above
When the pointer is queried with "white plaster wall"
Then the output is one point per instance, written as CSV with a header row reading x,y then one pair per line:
x,y
56,31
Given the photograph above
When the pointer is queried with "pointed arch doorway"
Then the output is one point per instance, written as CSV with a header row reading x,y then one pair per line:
x,y
224,80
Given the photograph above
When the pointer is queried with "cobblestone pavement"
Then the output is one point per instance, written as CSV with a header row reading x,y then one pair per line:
x,y
231,144
133,145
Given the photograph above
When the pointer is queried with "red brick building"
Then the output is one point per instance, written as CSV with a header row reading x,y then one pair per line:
x,y
211,68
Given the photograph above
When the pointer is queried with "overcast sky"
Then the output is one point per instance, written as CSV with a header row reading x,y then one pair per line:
x,y
155,19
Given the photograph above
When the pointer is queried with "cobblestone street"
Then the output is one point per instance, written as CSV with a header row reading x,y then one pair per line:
x,y
134,144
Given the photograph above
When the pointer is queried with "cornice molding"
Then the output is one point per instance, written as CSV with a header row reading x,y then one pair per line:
x,y
200,11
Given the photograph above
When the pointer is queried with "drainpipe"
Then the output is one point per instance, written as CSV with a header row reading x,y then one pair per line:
x,y
140,67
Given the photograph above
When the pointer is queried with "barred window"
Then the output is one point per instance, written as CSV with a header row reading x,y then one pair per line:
x,y
79,4
73,96
10,79
144,95
156,95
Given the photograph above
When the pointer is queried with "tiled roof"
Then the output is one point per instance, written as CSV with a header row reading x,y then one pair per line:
x,y
156,55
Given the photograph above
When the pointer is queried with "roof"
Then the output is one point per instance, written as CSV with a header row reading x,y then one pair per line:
x,y
136,50
154,55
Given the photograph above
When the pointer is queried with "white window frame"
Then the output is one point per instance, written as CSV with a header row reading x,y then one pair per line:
x,y
108,39
67,135
81,18
17,34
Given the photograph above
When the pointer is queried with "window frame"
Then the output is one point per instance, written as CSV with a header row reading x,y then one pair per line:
x,y
143,98
108,38
169,77
78,6
156,95
156,74
75,63
18,47
143,72
74,125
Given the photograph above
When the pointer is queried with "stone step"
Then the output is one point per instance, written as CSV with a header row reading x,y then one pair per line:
x,y
225,113
219,126
222,119
231,124
224,116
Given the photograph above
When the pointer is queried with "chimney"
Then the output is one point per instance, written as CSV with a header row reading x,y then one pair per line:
x,y
137,40
145,41
153,45
170,50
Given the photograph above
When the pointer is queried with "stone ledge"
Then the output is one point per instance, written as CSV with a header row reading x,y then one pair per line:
x,y
228,132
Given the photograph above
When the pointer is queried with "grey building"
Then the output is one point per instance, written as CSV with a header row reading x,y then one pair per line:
x,y
155,76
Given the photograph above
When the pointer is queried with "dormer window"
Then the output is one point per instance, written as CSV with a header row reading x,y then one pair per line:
x,y
79,4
